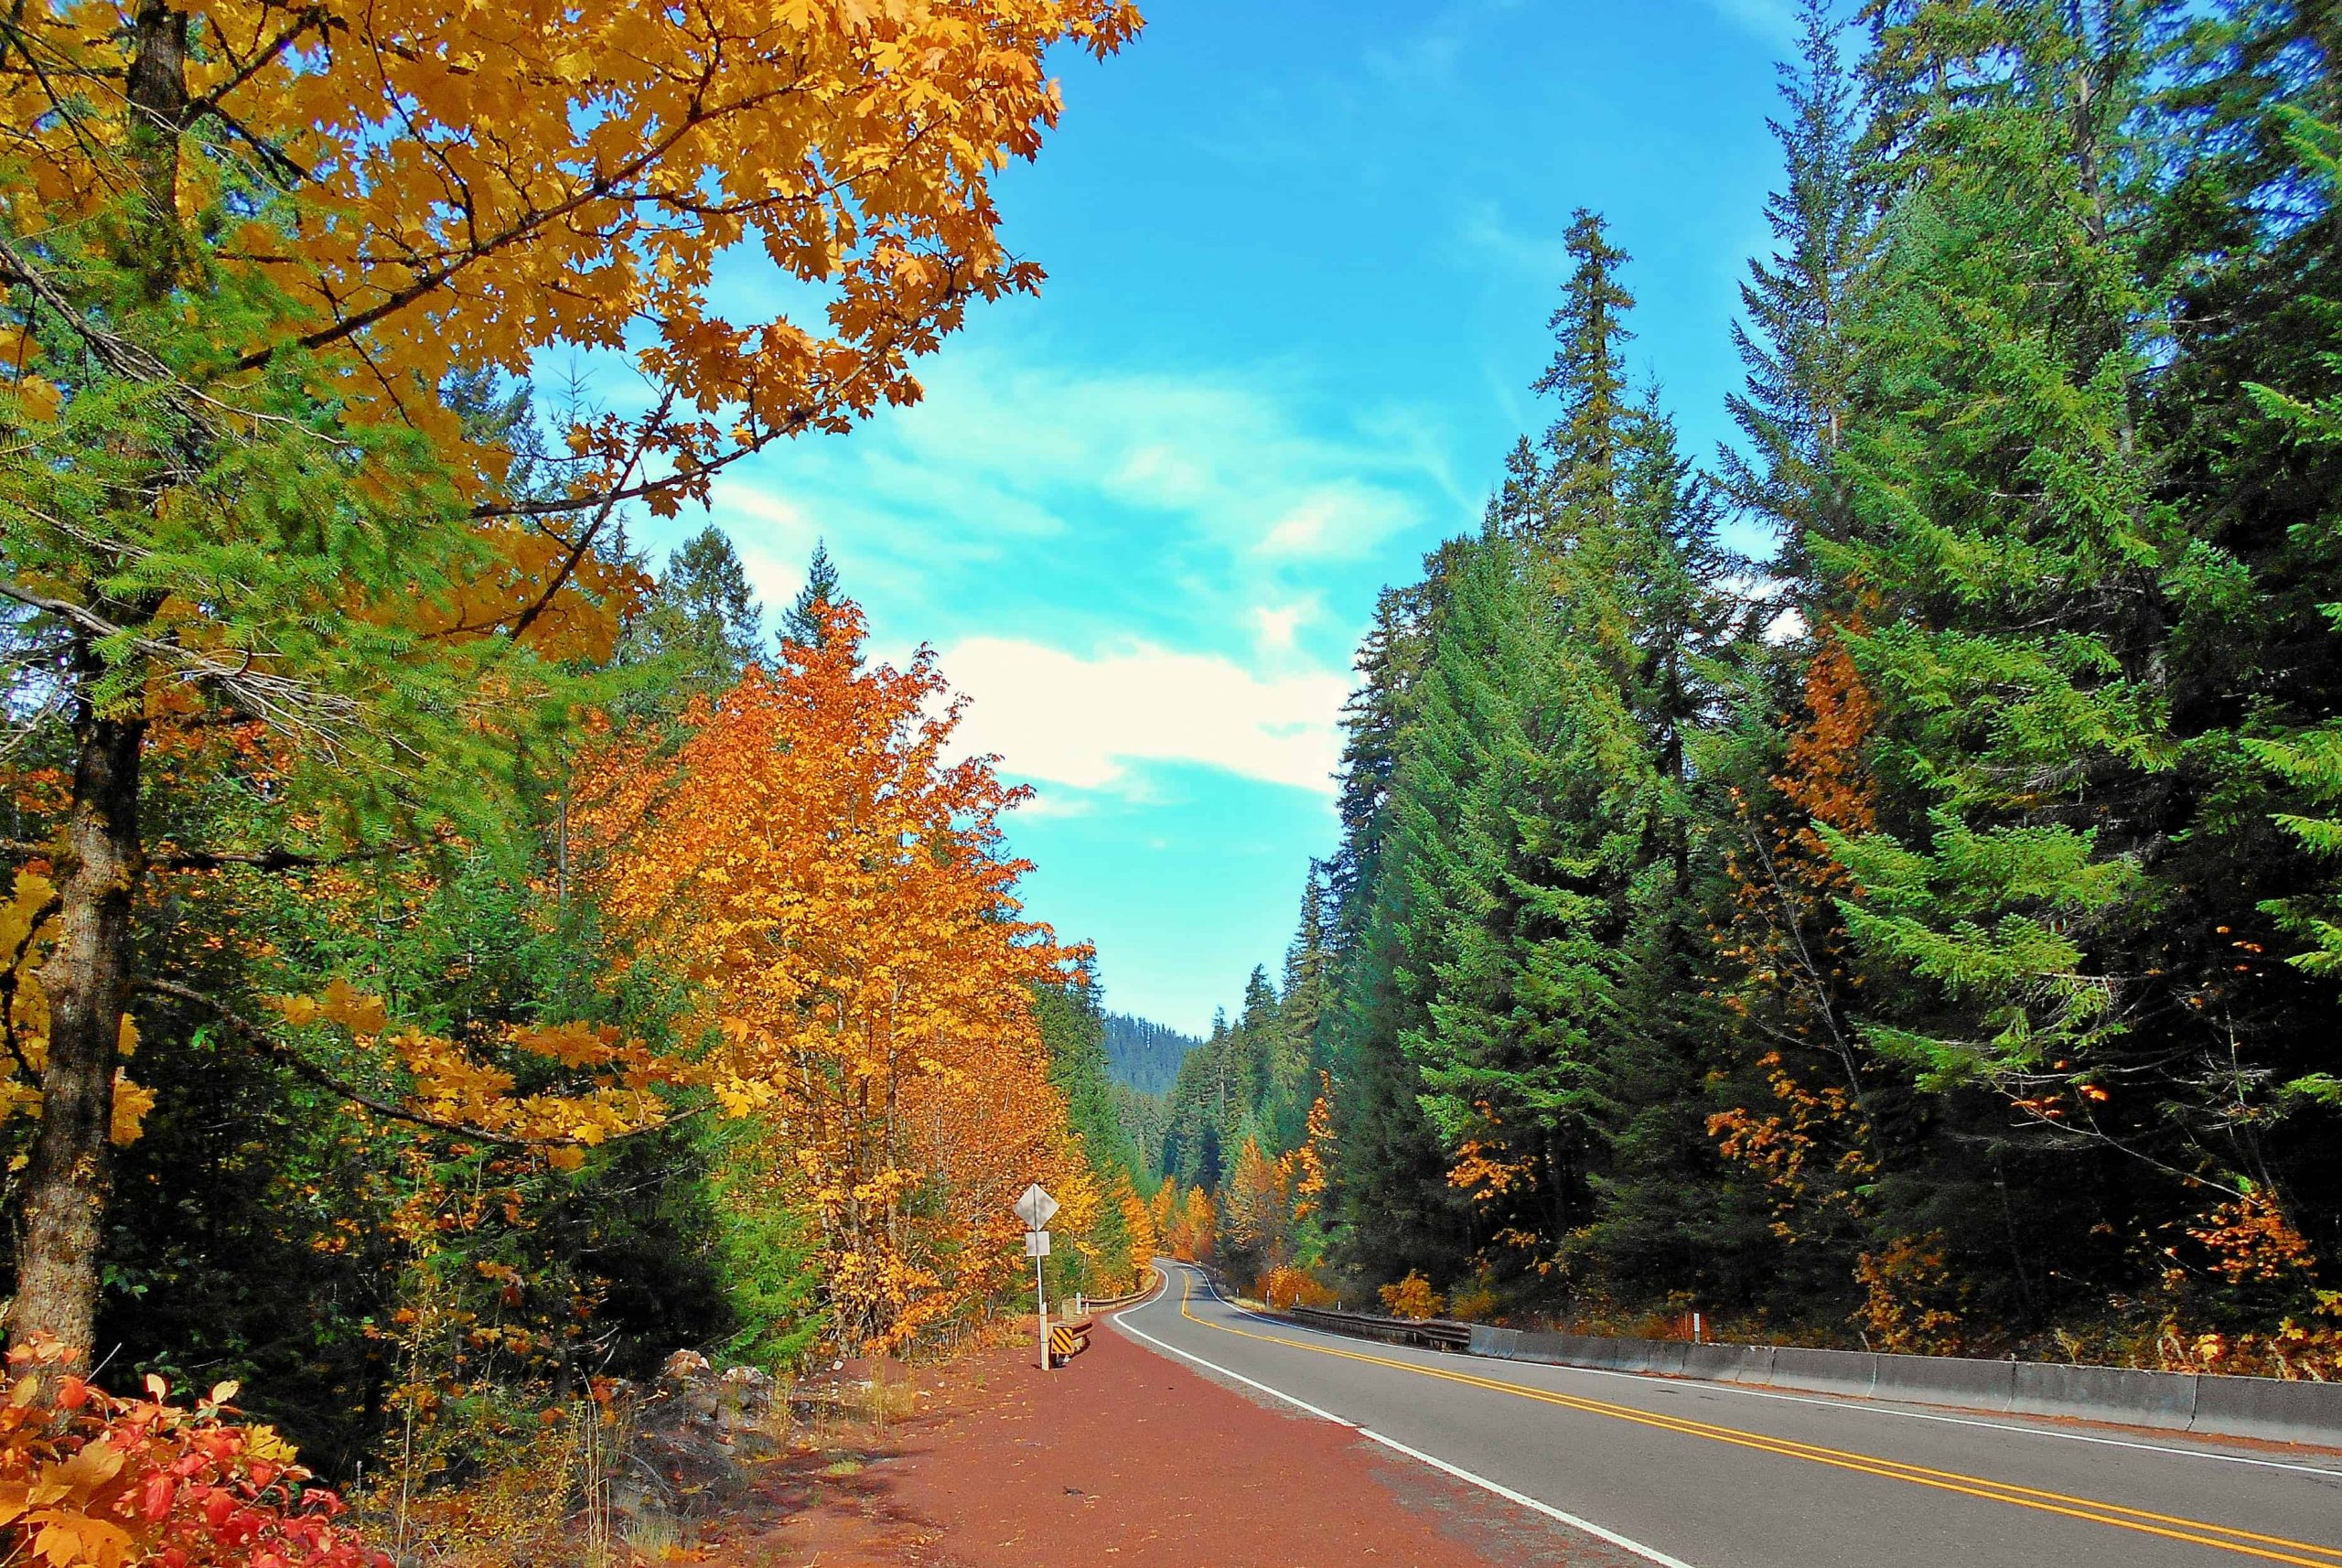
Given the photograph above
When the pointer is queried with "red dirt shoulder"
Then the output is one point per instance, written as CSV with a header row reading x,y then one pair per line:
x,y
1126,1457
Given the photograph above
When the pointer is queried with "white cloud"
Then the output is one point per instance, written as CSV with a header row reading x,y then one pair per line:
x,y
1002,450
1091,722
1163,475
1485,234
1773,20
1276,628
1125,570
1302,531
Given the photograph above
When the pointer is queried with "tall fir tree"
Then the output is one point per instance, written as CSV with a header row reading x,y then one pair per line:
x,y
803,622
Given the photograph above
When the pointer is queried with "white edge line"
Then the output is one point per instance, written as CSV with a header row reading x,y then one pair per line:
x,y
1588,1526
1129,1327
1855,1407
1648,1554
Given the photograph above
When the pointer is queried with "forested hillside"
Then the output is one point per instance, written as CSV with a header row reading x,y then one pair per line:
x,y
1927,931
1144,1056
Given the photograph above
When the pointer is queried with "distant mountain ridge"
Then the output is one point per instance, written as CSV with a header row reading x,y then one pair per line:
x,y
1146,1056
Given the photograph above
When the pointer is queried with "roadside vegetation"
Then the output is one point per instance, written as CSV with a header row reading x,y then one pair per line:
x,y
1925,935
447,969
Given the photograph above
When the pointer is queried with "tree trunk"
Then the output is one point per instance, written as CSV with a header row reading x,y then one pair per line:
x,y
69,1177
87,981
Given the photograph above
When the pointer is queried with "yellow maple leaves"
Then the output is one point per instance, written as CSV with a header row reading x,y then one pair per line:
x,y
614,1086
477,185
27,927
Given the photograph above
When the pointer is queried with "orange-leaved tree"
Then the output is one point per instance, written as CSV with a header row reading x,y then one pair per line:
x,y
1812,1148
1193,1229
834,884
271,272
1257,1224
1144,1237
1163,1208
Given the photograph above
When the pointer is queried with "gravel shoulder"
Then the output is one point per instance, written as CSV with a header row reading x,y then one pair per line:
x,y
1124,1455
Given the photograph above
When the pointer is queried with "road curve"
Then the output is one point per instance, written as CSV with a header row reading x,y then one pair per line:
x,y
1695,1474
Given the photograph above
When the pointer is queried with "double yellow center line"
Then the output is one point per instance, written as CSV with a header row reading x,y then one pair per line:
x,y
2197,1531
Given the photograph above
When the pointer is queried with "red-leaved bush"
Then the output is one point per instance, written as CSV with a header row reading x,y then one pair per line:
x,y
88,1480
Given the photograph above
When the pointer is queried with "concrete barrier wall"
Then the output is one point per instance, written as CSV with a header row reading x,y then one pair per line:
x,y
1729,1363
2216,1406
2267,1408
2106,1393
1825,1372
1946,1379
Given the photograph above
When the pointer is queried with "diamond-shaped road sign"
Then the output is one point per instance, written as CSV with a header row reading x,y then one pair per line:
x,y
1035,1207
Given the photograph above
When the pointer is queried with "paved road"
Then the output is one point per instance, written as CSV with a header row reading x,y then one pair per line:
x,y
1709,1476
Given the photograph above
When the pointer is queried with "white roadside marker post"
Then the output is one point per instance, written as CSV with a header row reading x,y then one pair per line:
x,y
1038,1244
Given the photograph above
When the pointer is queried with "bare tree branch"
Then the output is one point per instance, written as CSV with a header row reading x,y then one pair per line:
x,y
272,859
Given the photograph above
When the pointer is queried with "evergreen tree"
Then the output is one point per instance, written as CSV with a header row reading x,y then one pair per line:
x,y
701,622
1792,339
2247,422
803,621
1392,1207
1951,958
1144,1055
1301,1013
1587,376
2006,525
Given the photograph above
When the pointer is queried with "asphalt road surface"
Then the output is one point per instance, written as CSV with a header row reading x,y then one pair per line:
x,y
1699,1474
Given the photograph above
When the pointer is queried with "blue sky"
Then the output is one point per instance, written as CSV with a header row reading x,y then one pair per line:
x,y
1301,257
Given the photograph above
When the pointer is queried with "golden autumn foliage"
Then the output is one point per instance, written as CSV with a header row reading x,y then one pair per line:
x,y
1262,1209
1812,1148
613,1084
1163,1208
1144,1237
832,885
2249,1238
1313,1162
477,185
278,279
1286,1285
1912,1302
27,926
1411,1297
90,1480
1191,1228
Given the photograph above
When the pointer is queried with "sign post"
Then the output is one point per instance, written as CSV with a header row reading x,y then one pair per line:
x,y
1035,1207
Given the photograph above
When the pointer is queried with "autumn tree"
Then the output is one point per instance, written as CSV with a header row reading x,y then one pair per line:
x,y
835,890
1192,1232
248,250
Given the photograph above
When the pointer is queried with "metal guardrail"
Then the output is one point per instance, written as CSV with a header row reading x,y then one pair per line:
x,y
1114,1304
1436,1333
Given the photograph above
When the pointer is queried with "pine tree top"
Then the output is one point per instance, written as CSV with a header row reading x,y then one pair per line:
x,y
802,624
